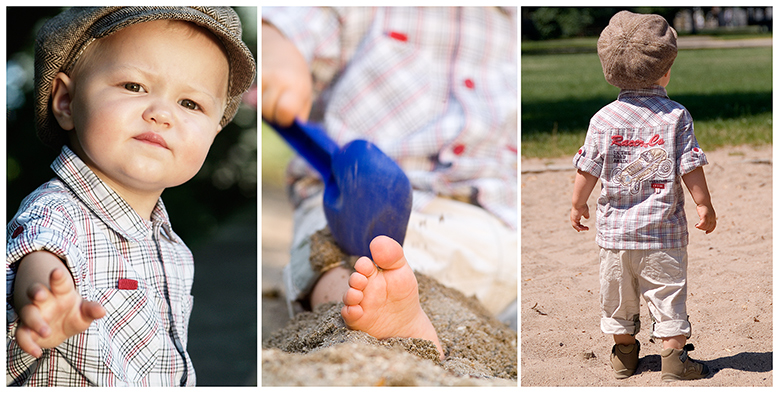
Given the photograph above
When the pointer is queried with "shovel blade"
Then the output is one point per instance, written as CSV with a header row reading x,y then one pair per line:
x,y
368,195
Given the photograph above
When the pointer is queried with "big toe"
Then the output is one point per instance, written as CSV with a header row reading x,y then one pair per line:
x,y
387,253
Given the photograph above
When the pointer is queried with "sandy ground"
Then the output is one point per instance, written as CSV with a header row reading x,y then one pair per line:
x,y
730,272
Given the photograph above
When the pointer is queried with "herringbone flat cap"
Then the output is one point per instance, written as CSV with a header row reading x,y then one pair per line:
x,y
636,50
62,40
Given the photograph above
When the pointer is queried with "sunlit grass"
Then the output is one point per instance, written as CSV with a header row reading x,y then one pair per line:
x,y
727,91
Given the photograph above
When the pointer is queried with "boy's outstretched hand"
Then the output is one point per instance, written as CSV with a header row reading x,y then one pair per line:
x,y
49,312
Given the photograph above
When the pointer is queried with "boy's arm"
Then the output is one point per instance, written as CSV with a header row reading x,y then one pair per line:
x,y
696,183
49,307
286,79
582,188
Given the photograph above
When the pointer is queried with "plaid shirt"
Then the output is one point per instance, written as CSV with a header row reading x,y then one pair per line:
x,y
640,146
139,270
435,88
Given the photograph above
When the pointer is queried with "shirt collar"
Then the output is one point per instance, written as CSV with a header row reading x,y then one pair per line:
x,y
654,90
104,202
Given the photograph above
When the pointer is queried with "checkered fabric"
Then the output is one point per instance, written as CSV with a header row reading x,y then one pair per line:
x,y
640,146
139,270
434,87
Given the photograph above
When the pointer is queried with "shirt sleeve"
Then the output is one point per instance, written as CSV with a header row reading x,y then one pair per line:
x,y
36,228
589,158
689,153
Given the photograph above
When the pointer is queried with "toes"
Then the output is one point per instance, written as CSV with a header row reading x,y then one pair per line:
x,y
365,267
358,281
351,313
387,253
353,297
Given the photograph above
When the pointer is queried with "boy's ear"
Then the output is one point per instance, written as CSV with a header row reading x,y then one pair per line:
x,y
61,99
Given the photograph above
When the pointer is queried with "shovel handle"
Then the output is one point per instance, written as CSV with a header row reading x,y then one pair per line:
x,y
312,143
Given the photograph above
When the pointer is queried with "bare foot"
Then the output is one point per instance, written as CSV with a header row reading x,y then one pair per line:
x,y
385,303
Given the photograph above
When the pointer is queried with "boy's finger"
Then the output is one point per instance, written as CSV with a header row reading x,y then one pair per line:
x,y
33,320
38,293
26,340
59,283
92,310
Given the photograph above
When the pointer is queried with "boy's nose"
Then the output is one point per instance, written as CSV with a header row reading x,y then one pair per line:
x,y
158,113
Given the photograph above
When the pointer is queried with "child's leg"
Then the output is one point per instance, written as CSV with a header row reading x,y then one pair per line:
x,y
331,286
663,283
663,278
624,339
620,309
676,342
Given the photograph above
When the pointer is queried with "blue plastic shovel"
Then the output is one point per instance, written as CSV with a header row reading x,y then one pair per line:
x,y
366,192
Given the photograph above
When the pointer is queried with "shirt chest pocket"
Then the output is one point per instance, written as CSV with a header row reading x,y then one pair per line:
x,y
131,336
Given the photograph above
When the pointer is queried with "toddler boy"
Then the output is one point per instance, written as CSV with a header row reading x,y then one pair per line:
x,y
98,284
642,147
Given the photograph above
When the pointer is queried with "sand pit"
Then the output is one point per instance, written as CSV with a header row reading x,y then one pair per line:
x,y
316,348
730,296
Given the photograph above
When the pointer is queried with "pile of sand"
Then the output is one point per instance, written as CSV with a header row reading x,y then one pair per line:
x,y
316,348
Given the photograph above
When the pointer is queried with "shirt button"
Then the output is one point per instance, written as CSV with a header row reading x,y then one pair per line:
x,y
469,84
458,149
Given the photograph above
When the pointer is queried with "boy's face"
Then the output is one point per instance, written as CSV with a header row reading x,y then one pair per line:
x,y
144,105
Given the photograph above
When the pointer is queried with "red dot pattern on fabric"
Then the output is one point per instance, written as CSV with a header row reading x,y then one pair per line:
x,y
459,149
398,36
469,84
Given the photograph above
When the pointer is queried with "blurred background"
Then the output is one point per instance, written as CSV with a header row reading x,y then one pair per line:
x,y
215,212
722,74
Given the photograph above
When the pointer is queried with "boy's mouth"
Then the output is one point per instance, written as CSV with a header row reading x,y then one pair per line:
x,y
152,138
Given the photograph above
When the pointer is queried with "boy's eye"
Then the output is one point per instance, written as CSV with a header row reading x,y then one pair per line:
x,y
131,86
189,104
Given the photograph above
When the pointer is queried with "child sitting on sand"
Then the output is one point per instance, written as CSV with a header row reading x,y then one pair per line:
x,y
99,285
435,88
642,147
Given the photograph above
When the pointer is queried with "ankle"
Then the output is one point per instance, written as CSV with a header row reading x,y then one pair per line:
x,y
676,342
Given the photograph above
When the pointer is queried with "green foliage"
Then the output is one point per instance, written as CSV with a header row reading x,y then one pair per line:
x,y
561,22
727,91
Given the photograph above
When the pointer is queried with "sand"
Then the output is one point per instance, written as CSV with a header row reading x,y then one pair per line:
x,y
316,348
730,296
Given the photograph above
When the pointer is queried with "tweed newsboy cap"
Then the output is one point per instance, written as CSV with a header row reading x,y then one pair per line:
x,y
636,50
63,38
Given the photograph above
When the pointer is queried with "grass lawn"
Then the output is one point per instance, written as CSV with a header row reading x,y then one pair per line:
x,y
727,91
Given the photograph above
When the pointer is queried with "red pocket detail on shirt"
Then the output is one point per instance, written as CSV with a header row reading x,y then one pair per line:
x,y
658,186
18,231
128,284
398,36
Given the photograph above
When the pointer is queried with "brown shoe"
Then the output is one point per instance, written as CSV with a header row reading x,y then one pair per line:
x,y
678,366
624,359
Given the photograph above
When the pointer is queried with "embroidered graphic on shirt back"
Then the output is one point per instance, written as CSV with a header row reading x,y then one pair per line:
x,y
649,163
